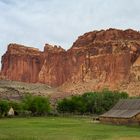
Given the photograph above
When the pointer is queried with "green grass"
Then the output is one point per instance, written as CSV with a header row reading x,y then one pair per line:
x,y
59,128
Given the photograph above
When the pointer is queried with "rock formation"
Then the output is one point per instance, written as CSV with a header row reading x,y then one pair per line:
x,y
22,63
0,75
97,59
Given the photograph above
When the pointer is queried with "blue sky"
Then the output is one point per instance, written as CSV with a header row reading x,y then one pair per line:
x,y
36,22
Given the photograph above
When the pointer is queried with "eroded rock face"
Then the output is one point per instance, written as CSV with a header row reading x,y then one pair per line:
x,y
106,57
0,75
53,71
22,63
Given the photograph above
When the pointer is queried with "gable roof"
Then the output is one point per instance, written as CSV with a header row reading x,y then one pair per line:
x,y
125,108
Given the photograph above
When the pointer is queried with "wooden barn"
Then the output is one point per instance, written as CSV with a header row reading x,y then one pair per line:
x,y
126,111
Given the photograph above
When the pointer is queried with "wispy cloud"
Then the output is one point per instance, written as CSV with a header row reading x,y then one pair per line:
x,y
36,22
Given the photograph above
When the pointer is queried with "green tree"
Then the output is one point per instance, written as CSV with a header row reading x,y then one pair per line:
x,y
74,104
94,102
91,102
4,107
38,105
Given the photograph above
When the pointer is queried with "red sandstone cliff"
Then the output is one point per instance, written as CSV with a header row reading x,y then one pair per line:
x,y
22,63
98,58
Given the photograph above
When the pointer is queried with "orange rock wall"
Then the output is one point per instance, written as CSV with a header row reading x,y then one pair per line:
x,y
106,56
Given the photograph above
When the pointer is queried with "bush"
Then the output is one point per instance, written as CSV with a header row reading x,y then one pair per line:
x,y
38,105
94,102
4,108
27,102
24,113
73,105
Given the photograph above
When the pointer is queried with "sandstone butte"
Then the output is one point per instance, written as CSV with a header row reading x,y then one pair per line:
x,y
99,59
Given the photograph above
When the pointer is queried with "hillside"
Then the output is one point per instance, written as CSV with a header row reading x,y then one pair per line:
x,y
16,90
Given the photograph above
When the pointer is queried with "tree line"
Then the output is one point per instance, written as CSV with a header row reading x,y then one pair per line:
x,y
91,102
87,103
28,106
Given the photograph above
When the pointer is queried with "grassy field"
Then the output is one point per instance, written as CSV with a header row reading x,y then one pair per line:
x,y
59,128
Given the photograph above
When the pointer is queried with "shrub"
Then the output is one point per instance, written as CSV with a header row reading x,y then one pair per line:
x,y
74,104
24,113
4,108
38,105
27,102
94,102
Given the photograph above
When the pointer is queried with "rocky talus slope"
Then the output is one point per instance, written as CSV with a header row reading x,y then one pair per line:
x,y
13,90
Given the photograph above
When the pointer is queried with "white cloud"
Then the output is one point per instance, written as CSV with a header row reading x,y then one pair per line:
x,y
36,22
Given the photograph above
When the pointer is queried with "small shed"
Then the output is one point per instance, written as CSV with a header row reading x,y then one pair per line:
x,y
11,112
126,111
